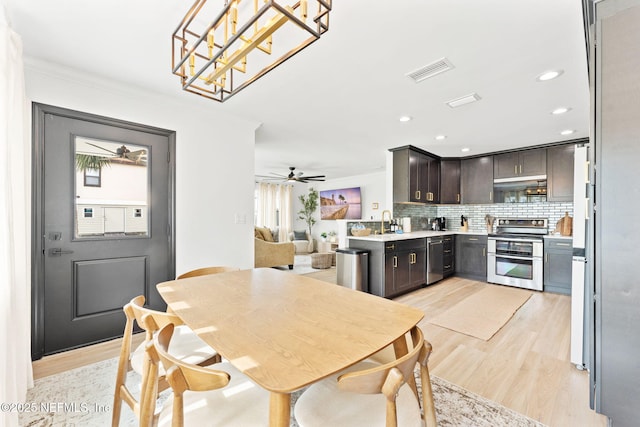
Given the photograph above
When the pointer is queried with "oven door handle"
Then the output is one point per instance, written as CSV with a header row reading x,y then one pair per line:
x,y
530,258
515,239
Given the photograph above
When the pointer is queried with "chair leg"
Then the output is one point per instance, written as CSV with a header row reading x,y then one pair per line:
x,y
290,266
427,398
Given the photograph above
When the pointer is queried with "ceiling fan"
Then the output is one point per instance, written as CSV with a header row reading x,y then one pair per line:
x,y
123,152
293,176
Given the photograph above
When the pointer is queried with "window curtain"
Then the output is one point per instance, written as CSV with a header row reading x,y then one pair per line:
x,y
15,258
286,215
274,208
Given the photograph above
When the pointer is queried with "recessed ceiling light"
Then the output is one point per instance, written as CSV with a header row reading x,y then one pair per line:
x,y
549,75
405,118
560,110
466,150
567,132
441,137
467,99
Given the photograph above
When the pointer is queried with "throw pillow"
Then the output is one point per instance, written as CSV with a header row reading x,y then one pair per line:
x,y
275,234
299,235
257,234
266,234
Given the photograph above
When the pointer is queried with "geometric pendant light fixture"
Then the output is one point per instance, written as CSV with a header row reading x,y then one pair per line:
x,y
219,49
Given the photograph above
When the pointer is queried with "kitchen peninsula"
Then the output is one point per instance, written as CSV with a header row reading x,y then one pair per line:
x,y
400,263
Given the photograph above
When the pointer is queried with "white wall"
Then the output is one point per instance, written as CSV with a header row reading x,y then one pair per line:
x,y
373,190
211,147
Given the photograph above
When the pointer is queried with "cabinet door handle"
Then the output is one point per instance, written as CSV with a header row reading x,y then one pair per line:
x,y
586,208
546,257
458,197
484,251
515,169
395,261
473,238
563,244
418,194
520,169
490,195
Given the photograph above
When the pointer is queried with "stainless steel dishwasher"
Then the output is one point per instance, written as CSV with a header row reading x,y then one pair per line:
x,y
435,260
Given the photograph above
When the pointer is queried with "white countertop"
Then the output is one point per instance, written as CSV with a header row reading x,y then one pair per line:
x,y
388,237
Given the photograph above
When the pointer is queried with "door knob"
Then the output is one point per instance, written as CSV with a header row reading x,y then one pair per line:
x,y
58,252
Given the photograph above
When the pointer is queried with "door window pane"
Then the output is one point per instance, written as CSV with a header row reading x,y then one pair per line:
x,y
111,189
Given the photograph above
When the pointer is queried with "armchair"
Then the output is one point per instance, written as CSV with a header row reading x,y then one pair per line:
x,y
303,245
268,253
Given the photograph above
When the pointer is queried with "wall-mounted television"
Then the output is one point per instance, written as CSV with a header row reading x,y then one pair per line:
x,y
344,203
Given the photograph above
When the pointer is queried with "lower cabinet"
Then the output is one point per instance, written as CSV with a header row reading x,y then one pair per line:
x,y
471,256
558,256
448,250
395,267
405,265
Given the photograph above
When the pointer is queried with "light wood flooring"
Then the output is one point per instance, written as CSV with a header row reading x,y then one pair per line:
x,y
525,366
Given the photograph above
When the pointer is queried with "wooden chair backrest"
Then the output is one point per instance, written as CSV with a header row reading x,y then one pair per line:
x,y
206,270
190,377
388,378
371,381
181,376
148,319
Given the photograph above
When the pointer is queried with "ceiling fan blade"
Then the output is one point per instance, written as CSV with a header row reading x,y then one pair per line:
x,y
136,155
314,177
102,148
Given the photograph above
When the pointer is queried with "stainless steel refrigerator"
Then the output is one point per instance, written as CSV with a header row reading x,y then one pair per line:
x,y
614,311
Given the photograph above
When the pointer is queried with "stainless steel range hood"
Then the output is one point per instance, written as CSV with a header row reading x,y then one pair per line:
x,y
530,189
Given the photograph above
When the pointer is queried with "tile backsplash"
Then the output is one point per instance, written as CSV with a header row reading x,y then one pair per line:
x,y
421,214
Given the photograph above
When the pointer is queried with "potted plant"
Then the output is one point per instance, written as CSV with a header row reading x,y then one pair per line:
x,y
324,236
332,236
309,206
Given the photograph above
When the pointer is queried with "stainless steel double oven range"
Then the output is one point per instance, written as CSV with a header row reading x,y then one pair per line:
x,y
515,252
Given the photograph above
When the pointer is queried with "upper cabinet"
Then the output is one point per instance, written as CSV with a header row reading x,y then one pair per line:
x,y
520,164
560,173
476,180
450,181
416,176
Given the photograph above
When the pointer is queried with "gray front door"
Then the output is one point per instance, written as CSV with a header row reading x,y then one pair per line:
x,y
103,221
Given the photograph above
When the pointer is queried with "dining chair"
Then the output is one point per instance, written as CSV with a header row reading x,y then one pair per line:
x,y
187,345
206,270
372,394
218,395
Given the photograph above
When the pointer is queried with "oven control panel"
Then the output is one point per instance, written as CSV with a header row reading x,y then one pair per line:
x,y
523,222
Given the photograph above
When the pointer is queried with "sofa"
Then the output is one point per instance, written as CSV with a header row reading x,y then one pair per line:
x,y
302,241
269,253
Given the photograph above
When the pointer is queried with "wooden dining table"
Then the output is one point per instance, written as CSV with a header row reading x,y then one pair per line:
x,y
286,331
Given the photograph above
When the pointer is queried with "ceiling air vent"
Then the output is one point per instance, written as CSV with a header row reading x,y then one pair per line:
x,y
440,66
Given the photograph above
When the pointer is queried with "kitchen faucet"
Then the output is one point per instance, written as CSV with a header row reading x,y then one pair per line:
x,y
382,221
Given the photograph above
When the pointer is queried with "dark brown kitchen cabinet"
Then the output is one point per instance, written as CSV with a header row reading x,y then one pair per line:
x,y
448,253
450,181
560,173
416,176
471,256
558,256
520,164
476,180
395,267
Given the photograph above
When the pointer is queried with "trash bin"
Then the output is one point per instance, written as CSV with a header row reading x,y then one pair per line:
x,y
352,268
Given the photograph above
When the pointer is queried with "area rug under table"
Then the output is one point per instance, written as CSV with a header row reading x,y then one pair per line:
x,y
85,396
484,313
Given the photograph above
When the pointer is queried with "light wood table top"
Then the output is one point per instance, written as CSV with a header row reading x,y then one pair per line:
x,y
283,330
